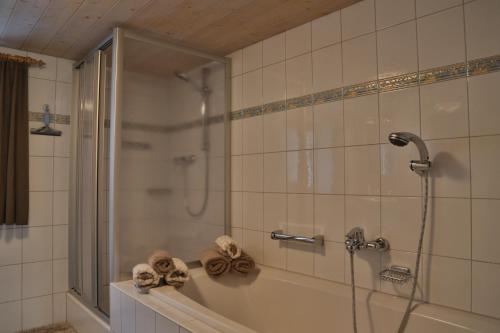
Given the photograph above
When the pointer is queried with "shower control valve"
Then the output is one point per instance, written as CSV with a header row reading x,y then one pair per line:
x,y
355,241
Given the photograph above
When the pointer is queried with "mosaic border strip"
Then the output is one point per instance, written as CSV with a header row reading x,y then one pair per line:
x,y
438,74
54,118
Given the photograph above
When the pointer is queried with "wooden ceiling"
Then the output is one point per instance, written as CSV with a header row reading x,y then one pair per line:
x,y
71,28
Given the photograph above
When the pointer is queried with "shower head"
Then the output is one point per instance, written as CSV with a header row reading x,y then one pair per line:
x,y
401,139
181,76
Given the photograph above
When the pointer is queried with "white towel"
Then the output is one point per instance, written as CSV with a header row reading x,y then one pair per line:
x,y
228,246
145,277
179,275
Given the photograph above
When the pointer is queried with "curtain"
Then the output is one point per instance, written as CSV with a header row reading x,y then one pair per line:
x,y
14,160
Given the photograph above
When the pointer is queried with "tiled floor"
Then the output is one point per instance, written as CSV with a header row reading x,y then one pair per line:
x,y
56,328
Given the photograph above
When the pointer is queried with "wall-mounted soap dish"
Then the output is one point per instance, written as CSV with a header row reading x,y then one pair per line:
x,y
396,274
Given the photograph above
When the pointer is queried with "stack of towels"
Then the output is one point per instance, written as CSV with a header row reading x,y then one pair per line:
x,y
226,256
160,269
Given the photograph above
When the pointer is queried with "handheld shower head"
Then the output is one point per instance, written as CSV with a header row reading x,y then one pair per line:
x,y
401,139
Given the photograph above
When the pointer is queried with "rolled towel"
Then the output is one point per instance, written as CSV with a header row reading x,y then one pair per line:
x,y
243,265
145,277
179,275
228,246
161,261
214,262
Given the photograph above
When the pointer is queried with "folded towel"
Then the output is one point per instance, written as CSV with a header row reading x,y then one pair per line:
x,y
145,277
228,246
179,275
161,261
244,264
214,262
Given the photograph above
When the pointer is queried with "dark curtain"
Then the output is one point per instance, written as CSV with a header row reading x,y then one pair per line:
x,y
14,160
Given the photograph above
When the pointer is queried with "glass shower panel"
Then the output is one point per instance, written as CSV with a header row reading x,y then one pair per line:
x,y
172,160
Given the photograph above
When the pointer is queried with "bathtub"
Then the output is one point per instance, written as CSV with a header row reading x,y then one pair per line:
x,y
274,301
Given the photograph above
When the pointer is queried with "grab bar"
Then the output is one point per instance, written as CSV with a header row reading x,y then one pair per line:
x,y
279,235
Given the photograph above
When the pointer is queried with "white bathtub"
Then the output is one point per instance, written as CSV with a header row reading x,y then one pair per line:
x,y
282,302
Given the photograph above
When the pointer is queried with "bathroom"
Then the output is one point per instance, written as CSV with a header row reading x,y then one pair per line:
x,y
323,137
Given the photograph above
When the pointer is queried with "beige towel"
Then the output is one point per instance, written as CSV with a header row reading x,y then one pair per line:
x,y
145,277
179,275
215,263
228,246
161,261
243,265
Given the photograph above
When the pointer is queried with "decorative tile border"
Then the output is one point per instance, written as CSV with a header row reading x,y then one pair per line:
x,y
54,118
429,76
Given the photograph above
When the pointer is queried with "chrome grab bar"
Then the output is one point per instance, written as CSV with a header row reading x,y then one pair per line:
x,y
279,235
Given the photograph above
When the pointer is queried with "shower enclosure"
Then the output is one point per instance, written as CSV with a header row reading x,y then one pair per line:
x,y
151,158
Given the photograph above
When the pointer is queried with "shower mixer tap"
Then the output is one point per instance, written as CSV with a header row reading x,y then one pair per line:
x,y
355,241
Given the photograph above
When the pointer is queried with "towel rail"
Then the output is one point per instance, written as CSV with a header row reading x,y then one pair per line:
x,y
316,240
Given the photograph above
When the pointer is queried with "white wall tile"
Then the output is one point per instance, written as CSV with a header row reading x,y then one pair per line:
x,y
299,76
236,173
329,216
253,173
359,58
426,7
485,229
482,21
62,144
329,171
397,177
397,50
399,112
237,209
41,92
450,224
405,259
274,83
363,211
485,291
40,145
273,49
236,93
358,19
329,261
252,88
236,137
401,221
252,135
298,40
326,30
300,128
37,312
165,325
59,307
40,210
37,279
440,288
450,172
236,62
63,98
253,211
10,316
275,172
275,132
300,171
362,170
361,120
61,174
252,57
391,12
367,268
485,163
10,246
41,173
274,253
37,244
10,289
48,71
327,68
60,242
300,213
441,38
328,125
275,211
61,207
64,70
253,244
444,110
144,319
484,103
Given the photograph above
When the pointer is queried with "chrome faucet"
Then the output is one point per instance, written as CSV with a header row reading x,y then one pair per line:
x,y
355,241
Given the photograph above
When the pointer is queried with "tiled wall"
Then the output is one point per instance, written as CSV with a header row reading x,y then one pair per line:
x,y
312,109
33,258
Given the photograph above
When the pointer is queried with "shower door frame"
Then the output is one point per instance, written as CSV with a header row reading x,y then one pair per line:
x,y
119,35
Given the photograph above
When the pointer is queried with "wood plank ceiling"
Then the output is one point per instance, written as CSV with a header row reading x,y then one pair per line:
x,y
71,28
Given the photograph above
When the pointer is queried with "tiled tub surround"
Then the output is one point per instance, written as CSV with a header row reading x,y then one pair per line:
x,y
263,302
308,158
33,258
